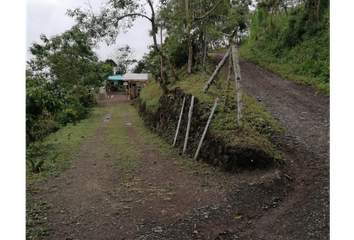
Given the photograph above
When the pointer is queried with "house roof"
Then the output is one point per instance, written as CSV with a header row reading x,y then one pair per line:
x,y
136,76
115,77
130,77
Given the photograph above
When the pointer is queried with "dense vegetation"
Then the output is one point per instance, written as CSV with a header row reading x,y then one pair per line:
x,y
292,42
59,83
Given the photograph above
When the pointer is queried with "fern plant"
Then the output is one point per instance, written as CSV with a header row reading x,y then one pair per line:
x,y
36,165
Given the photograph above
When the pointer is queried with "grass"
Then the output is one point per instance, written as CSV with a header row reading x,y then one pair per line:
x,y
285,70
216,51
258,123
59,143
56,144
296,47
122,149
151,97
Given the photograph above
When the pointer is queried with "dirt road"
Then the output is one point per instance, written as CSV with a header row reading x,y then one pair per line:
x,y
160,198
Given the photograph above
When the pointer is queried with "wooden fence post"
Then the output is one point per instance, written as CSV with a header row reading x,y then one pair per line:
x,y
237,72
217,70
179,121
189,124
205,129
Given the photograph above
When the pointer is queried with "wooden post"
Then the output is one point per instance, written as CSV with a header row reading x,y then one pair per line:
x,y
237,73
161,51
227,90
126,95
206,128
188,125
217,70
179,121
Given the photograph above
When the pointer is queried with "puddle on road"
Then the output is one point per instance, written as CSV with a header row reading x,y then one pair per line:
x,y
128,124
107,118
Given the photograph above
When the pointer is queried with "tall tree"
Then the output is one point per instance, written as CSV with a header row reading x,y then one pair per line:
x,y
66,59
123,56
111,62
117,15
189,22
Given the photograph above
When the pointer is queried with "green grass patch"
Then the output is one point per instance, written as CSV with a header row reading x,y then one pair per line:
x,y
213,53
121,146
152,96
65,144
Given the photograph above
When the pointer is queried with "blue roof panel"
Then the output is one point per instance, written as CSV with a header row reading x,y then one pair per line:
x,y
116,78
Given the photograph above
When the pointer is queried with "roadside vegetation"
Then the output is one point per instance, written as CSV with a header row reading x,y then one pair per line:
x,y
55,154
292,42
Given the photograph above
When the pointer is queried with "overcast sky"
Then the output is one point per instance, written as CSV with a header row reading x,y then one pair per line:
x,y
48,17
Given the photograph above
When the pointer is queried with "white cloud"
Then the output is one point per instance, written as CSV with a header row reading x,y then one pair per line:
x,y
48,17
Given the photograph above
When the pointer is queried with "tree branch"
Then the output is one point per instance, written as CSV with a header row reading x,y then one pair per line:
x,y
133,15
208,13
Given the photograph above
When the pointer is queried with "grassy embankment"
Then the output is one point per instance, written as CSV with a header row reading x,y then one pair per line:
x,y
296,47
259,125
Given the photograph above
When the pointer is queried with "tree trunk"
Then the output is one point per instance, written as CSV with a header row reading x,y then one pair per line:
x,y
204,57
285,7
190,53
237,73
318,10
77,90
217,70
276,12
187,33
201,48
196,64
154,31
188,28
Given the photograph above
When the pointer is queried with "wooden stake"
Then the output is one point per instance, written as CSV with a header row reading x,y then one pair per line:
x,y
179,121
205,129
189,124
237,72
217,70
161,51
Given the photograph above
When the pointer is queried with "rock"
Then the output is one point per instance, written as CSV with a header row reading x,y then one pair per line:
x,y
157,230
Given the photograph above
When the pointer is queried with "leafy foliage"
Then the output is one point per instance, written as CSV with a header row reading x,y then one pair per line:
x,y
296,45
41,105
207,24
123,56
68,60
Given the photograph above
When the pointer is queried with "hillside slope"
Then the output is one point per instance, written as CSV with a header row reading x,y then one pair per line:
x,y
295,46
